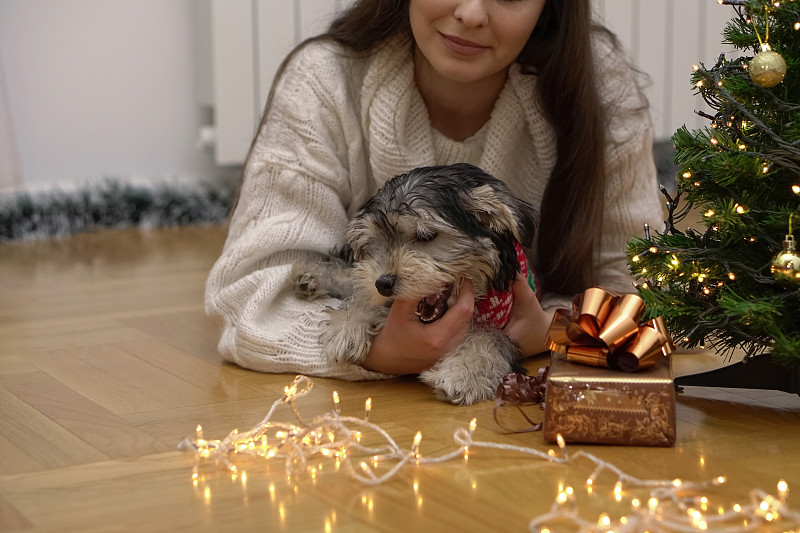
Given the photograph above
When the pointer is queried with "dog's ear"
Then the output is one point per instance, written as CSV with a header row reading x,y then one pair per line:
x,y
356,236
502,214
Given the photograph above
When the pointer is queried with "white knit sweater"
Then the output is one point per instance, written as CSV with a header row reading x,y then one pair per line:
x,y
341,126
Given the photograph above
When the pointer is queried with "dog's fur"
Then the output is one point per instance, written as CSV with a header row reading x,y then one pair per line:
x,y
415,239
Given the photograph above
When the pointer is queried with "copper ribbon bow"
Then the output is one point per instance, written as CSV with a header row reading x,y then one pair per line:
x,y
518,390
603,329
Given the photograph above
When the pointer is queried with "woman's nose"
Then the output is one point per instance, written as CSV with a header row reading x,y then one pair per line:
x,y
472,13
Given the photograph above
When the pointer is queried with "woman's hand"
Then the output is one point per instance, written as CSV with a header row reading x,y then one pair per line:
x,y
529,323
407,346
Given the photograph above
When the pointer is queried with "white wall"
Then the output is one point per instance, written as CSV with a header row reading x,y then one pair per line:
x,y
250,39
103,88
10,171
664,39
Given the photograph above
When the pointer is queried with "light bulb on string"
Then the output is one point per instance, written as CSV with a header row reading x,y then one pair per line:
x,y
304,443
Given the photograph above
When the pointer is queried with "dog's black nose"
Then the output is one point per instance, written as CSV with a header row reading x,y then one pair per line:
x,y
385,284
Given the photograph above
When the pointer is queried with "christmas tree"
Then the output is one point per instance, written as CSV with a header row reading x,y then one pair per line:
x,y
733,283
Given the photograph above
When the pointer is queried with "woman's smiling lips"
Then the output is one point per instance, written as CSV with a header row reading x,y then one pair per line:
x,y
462,46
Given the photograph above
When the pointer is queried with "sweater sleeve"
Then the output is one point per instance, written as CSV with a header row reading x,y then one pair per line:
x,y
292,205
632,196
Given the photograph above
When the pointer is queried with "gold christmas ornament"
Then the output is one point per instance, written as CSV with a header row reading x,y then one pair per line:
x,y
767,68
786,265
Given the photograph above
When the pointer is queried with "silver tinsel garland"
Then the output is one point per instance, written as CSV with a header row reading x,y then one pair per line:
x,y
113,204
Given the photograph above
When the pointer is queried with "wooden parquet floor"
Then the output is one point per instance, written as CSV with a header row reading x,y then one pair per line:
x,y
107,361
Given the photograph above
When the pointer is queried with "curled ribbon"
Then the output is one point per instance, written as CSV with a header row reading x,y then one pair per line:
x,y
603,329
518,391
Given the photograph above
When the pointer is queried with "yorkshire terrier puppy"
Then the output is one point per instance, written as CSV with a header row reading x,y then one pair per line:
x,y
416,239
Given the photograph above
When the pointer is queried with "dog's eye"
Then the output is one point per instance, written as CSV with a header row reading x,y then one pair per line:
x,y
426,236
360,252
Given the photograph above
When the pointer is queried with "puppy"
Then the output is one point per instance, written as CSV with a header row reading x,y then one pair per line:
x,y
416,239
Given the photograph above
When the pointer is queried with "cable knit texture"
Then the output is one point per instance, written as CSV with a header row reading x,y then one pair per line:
x,y
339,127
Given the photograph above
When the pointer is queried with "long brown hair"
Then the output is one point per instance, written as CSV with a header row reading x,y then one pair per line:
x,y
559,52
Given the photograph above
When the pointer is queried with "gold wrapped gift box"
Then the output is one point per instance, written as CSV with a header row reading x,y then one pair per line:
x,y
604,406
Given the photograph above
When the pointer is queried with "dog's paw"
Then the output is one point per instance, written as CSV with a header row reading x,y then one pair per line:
x,y
473,370
305,285
344,346
459,386
465,393
348,335
311,280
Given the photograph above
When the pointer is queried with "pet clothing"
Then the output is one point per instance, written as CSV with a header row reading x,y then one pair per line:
x,y
494,310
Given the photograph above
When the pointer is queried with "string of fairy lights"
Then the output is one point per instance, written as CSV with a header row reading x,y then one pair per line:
x,y
670,505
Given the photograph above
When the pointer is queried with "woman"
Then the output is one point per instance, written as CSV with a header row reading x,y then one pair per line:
x,y
527,90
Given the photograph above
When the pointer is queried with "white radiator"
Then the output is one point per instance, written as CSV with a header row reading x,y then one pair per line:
x,y
249,38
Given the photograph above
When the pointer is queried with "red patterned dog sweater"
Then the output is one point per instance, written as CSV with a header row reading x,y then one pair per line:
x,y
494,310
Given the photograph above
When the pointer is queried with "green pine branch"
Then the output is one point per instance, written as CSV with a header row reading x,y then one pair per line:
x,y
740,176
